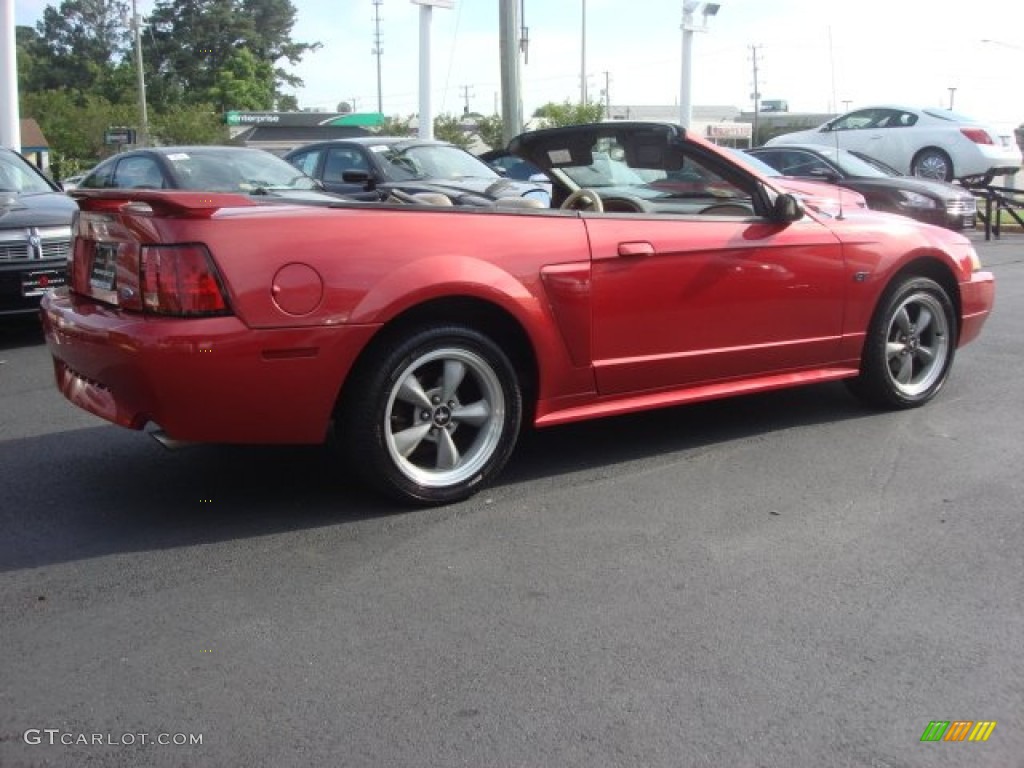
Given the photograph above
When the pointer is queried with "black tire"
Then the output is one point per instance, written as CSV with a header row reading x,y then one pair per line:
x,y
432,415
909,347
932,163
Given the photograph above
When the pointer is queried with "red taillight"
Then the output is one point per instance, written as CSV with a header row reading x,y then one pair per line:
x,y
180,280
977,135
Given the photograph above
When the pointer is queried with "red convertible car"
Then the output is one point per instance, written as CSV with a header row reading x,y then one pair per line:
x,y
426,334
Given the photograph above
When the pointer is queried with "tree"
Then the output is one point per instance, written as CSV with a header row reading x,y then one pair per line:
x,y
395,126
198,124
243,82
76,46
567,113
75,126
287,102
491,131
196,50
448,128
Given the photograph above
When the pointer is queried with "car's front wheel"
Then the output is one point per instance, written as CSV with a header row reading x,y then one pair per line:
x,y
433,415
909,347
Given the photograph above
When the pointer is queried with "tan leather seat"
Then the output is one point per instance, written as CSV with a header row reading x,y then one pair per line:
x,y
510,203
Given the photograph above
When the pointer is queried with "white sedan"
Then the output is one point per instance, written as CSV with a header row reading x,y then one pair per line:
x,y
934,143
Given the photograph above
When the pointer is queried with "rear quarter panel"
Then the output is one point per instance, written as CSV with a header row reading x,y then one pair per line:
x,y
376,262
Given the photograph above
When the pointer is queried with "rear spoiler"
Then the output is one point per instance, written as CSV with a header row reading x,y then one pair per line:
x,y
160,202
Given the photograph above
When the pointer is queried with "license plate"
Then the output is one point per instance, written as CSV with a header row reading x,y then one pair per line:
x,y
39,282
104,270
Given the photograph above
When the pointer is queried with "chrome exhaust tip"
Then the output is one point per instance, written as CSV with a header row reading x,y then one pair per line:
x,y
168,442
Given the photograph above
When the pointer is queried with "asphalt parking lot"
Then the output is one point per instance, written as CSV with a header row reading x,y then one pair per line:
x,y
781,580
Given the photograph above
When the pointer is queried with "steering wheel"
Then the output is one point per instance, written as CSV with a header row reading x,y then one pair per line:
x,y
590,199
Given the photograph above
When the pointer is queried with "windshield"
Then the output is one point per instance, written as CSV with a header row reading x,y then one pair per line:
x,y
691,179
243,170
430,161
756,163
852,165
17,176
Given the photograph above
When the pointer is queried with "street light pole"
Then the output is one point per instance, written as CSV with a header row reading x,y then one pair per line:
x,y
142,139
10,124
583,55
685,108
686,76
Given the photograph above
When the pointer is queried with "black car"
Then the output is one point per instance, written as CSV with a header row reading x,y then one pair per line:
x,y
884,188
244,170
370,167
35,234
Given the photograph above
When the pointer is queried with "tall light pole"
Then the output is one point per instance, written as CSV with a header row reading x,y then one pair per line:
x,y
690,7
10,125
583,55
426,116
378,51
142,139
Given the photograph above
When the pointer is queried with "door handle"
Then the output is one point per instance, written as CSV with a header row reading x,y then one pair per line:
x,y
640,248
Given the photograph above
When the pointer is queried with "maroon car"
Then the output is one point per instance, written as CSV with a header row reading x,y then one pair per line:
x,y
426,334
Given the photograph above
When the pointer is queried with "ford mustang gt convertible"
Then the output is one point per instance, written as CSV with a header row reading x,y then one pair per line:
x,y
426,335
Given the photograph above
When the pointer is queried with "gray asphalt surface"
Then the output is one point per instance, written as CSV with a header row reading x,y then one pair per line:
x,y
780,580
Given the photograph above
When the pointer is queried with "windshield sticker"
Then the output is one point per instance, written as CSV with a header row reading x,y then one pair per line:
x,y
178,156
559,156
379,148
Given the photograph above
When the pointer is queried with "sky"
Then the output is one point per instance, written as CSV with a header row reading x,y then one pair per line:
x,y
818,55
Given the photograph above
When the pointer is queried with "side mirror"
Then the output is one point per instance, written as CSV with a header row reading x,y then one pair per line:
x,y
358,177
787,208
825,174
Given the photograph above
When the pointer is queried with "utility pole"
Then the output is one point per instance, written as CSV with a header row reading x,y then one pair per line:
x,y
142,140
951,92
378,50
607,95
756,95
465,95
508,42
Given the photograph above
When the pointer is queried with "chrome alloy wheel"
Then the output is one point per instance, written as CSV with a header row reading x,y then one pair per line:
x,y
444,417
917,344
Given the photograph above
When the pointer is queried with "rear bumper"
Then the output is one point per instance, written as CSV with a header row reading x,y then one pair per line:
x,y
977,298
199,379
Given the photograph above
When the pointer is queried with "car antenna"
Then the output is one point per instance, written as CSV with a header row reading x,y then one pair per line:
x,y
835,133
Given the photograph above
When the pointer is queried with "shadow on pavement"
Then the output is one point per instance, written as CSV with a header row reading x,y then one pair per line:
x,y
94,492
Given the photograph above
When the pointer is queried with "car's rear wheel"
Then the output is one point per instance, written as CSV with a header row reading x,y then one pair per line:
x,y
909,347
433,416
932,163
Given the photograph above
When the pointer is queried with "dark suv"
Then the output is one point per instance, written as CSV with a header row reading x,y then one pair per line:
x,y
35,234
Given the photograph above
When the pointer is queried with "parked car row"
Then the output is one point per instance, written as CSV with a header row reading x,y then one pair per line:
x,y
933,143
425,338
860,159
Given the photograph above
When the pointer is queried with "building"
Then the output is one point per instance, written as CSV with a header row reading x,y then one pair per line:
x,y
279,132
718,124
34,145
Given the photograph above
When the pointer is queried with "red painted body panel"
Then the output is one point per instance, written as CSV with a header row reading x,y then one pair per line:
x,y
210,379
622,312
717,299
